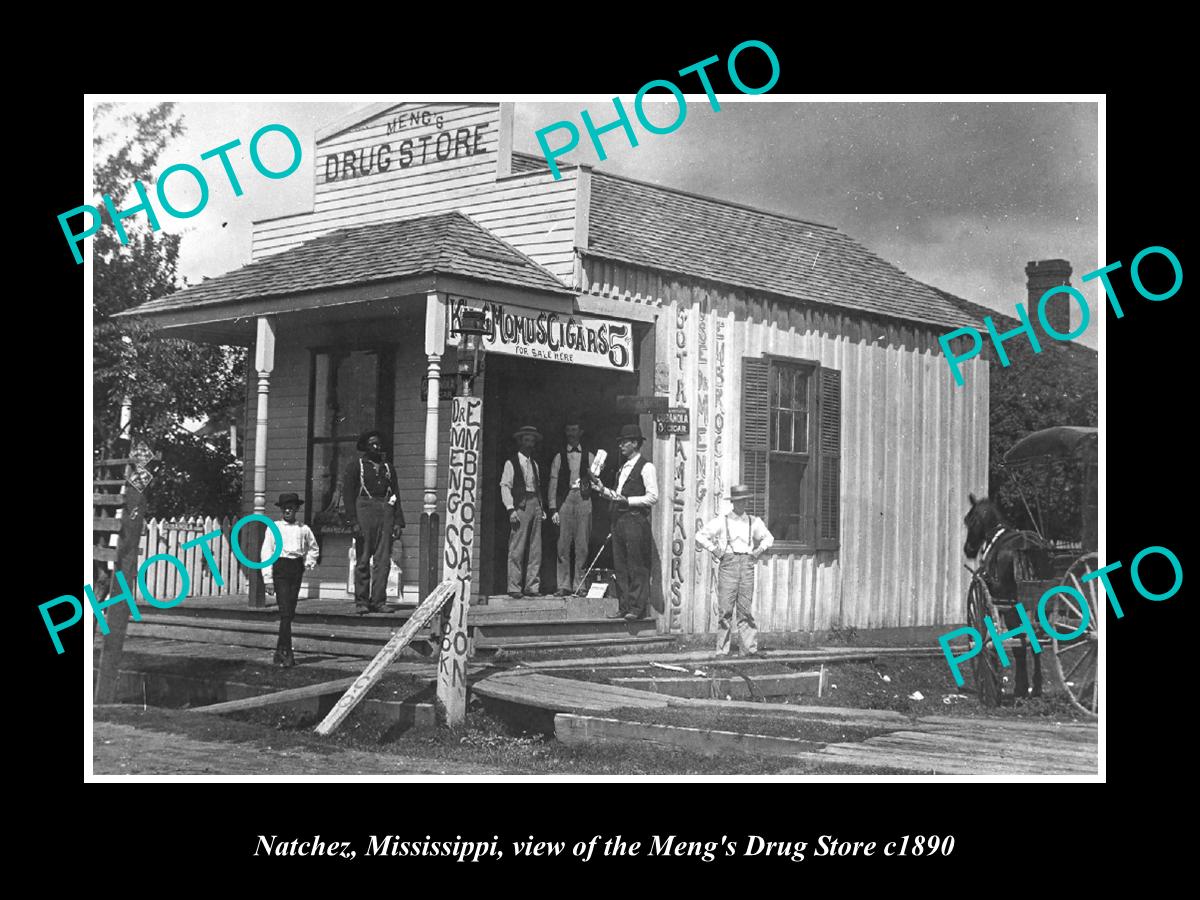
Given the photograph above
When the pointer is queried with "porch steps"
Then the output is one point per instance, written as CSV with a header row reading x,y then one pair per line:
x,y
348,634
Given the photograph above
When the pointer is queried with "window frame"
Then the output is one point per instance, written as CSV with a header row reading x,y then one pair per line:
x,y
385,409
821,485
776,361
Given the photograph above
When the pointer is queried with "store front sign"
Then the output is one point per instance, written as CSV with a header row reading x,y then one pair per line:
x,y
550,336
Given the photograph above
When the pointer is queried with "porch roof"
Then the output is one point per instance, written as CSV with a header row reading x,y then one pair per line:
x,y
447,243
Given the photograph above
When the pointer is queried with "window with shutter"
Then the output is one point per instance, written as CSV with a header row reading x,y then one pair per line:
x,y
754,431
791,449
830,463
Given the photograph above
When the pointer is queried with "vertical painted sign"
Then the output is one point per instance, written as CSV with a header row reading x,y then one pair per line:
x,y
462,498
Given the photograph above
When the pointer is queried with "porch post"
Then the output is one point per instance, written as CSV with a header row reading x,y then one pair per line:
x,y
435,346
264,363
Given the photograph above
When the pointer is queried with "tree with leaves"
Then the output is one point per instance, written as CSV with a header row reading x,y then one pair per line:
x,y
167,380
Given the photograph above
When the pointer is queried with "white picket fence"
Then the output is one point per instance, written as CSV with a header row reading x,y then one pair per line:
x,y
168,536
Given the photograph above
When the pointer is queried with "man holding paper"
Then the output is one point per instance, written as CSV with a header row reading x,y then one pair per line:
x,y
635,495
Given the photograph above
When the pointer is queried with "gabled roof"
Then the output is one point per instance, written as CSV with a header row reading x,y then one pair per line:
x,y
675,231
447,243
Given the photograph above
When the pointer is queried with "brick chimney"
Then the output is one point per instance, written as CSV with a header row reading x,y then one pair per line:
x,y
1043,275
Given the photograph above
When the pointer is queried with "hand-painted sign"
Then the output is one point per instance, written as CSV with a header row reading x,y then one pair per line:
x,y
554,337
462,495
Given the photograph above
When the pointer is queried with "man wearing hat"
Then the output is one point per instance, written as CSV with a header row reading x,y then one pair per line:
x,y
373,508
636,493
571,504
521,493
282,579
736,540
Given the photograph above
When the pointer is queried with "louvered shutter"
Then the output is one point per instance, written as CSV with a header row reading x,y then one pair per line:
x,y
755,415
829,494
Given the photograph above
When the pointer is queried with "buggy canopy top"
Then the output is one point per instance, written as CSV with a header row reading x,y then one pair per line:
x,y
1061,440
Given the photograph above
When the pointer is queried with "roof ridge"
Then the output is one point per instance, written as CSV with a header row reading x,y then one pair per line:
x,y
718,200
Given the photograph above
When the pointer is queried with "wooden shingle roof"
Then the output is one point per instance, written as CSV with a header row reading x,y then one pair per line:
x,y
674,231
447,243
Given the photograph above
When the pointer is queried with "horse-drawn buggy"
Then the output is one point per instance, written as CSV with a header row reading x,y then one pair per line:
x,y
1017,566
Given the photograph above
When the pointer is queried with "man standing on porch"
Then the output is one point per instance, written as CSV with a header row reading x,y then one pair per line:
x,y
521,492
571,505
635,495
736,540
373,507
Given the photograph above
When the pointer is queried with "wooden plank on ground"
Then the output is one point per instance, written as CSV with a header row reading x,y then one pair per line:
x,y
575,729
698,687
880,717
374,634
433,604
264,700
571,689
540,700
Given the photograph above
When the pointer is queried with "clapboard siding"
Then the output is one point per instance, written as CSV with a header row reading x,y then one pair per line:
x,y
532,212
287,443
913,446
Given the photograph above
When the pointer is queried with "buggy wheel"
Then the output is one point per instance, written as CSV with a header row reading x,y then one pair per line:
x,y
988,681
1077,659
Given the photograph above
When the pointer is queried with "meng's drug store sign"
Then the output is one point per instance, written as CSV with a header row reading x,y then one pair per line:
x,y
554,337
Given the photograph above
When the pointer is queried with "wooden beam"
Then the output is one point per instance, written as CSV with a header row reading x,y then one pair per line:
x,y
375,669
292,694
575,729
116,617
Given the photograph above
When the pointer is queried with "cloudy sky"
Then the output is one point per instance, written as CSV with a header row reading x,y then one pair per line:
x,y
960,195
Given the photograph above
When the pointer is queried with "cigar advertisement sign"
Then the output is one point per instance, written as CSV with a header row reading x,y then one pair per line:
x,y
550,336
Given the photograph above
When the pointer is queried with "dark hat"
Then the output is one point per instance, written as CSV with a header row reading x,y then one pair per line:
x,y
528,429
631,433
289,499
366,435
741,492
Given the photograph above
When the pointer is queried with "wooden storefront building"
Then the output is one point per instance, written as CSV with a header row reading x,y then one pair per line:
x,y
808,366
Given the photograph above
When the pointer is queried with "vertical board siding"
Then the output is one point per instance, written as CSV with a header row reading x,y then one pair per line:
x,y
913,445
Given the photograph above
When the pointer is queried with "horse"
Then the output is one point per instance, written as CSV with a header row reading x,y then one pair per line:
x,y
1006,556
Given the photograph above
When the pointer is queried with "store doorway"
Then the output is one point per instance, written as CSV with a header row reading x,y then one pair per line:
x,y
519,392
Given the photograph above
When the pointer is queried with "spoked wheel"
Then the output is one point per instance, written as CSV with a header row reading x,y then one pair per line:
x,y
988,679
1077,660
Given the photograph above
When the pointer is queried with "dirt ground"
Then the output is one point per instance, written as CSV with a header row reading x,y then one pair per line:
x,y
130,741
135,740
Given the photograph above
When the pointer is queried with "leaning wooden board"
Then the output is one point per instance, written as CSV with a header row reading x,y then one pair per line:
x,y
375,668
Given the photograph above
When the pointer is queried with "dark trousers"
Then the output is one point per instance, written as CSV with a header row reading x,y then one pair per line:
x,y
288,574
373,553
631,557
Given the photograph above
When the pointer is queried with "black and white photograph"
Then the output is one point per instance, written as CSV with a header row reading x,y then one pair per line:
x,y
731,434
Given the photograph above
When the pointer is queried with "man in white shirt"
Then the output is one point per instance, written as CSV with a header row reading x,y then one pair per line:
x,y
570,498
299,554
736,540
521,493
634,497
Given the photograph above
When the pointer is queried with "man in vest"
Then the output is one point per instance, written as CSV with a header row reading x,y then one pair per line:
x,y
736,540
636,493
373,508
571,505
521,493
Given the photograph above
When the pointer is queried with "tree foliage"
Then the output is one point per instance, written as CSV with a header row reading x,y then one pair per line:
x,y
168,380
1058,386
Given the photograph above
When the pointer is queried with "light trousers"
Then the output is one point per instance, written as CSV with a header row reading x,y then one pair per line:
x,y
574,528
735,591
